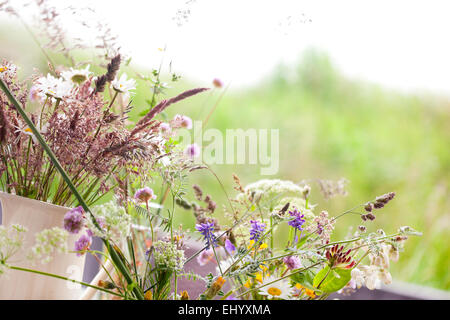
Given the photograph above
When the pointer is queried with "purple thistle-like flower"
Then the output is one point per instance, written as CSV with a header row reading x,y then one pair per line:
x,y
82,244
145,194
298,221
73,220
230,247
257,230
207,230
292,262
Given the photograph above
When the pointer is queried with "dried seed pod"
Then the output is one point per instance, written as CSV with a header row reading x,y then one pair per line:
x,y
370,216
198,192
378,205
368,207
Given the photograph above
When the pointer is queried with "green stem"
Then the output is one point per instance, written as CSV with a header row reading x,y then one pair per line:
x,y
64,278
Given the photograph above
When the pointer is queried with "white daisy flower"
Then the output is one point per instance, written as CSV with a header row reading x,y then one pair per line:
x,y
27,131
277,290
7,69
76,76
123,85
53,87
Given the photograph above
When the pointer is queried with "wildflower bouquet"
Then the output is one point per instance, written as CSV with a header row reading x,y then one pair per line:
x,y
66,138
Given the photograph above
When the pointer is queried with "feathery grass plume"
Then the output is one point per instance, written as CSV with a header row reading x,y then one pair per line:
x,y
165,103
113,67
100,83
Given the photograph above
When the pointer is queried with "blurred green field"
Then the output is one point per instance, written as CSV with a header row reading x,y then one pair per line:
x,y
332,127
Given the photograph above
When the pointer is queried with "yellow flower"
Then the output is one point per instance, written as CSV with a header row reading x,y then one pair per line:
x,y
184,295
261,247
310,293
148,295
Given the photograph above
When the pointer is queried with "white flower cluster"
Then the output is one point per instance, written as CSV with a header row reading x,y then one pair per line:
x,y
48,242
11,241
113,219
376,273
167,256
273,190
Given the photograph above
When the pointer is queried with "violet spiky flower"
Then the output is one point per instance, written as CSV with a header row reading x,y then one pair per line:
x,y
73,220
207,230
298,220
256,230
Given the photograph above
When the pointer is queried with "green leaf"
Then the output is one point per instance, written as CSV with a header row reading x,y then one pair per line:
x,y
332,280
304,278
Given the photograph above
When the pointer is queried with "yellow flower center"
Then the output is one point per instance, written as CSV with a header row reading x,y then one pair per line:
x,y
274,291
28,130
3,68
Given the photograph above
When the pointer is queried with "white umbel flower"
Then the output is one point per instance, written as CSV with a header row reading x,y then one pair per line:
x,y
123,85
277,290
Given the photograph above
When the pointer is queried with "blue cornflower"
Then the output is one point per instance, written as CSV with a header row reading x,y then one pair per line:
x,y
257,230
207,230
298,221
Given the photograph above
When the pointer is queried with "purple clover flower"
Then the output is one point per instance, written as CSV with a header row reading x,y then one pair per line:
x,y
257,230
73,220
292,262
207,230
82,244
298,221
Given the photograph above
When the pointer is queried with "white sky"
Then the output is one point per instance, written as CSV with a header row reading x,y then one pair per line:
x,y
401,44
